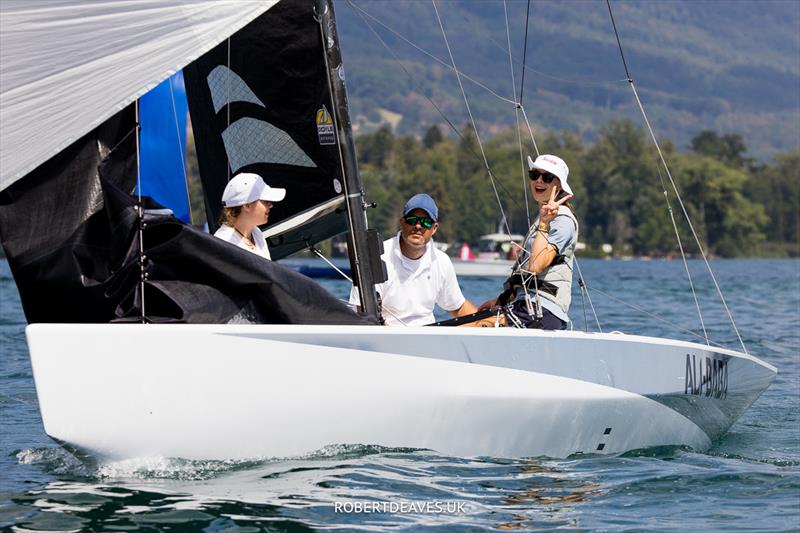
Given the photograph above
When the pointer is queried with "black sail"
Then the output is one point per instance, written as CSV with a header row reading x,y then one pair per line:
x,y
72,231
260,103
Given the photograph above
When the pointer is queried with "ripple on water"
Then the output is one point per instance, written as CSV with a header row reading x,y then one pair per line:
x,y
749,479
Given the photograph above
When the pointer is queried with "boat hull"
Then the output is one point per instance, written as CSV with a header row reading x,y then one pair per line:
x,y
489,268
240,392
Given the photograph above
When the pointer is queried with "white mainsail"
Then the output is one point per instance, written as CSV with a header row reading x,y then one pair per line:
x,y
57,56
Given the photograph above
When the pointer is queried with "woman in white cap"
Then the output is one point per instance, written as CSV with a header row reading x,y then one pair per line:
x,y
546,270
539,291
246,203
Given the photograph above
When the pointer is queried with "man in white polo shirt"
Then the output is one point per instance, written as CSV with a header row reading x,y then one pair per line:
x,y
419,275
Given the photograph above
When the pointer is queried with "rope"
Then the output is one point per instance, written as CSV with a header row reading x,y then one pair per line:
x,y
674,186
472,119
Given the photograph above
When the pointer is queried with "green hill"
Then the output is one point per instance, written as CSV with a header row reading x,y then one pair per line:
x,y
728,66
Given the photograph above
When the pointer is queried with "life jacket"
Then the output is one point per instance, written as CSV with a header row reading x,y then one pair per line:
x,y
555,282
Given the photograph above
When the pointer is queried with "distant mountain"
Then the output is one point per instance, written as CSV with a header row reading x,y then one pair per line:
x,y
729,66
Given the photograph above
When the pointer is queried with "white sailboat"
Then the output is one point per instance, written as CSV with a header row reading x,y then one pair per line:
x,y
318,375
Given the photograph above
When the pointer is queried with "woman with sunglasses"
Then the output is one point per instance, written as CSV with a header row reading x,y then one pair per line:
x,y
545,271
246,203
538,293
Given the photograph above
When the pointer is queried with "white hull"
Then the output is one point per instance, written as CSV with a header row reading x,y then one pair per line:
x,y
235,392
489,268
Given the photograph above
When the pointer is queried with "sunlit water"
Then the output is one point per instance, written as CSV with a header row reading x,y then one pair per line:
x,y
748,480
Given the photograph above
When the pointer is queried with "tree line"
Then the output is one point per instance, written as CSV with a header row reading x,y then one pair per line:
x,y
738,206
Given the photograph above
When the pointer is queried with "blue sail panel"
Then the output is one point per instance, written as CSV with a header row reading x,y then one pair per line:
x,y
162,115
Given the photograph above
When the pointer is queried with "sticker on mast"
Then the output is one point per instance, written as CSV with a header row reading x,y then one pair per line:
x,y
325,130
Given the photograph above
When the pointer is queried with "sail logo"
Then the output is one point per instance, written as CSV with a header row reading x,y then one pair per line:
x,y
706,377
325,130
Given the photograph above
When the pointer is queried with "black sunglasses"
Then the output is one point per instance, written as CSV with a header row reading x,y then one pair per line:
x,y
546,176
426,222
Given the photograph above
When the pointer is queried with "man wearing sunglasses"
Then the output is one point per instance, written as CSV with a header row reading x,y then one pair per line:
x,y
419,276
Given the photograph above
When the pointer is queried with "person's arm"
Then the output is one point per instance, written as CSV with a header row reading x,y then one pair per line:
x,y
450,292
467,308
542,250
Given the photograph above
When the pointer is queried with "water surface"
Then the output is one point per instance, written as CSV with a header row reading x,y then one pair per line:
x,y
749,480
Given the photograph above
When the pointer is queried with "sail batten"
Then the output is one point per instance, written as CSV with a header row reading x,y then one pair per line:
x,y
67,66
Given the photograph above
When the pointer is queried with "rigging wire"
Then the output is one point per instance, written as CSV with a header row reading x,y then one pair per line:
x,y
519,107
228,97
683,255
319,254
585,288
524,50
440,61
453,127
517,110
180,150
672,182
472,120
576,82
653,315
140,208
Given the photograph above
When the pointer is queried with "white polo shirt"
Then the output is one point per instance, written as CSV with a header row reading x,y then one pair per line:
x,y
415,286
227,233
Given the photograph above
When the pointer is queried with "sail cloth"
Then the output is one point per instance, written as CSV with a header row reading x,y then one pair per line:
x,y
260,102
70,231
162,145
66,66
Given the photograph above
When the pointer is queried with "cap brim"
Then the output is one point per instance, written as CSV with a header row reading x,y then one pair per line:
x,y
565,187
407,211
273,194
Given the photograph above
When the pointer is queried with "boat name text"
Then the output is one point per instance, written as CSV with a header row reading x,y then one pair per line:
x,y
706,376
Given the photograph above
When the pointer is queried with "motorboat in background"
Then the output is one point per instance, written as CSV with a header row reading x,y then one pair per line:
x,y
495,258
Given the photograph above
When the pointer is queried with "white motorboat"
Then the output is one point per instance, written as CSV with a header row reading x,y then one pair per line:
x,y
492,268
493,248
133,315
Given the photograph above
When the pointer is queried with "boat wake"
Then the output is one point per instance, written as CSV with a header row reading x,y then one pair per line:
x,y
59,461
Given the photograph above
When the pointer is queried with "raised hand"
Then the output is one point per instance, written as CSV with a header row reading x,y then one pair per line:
x,y
549,210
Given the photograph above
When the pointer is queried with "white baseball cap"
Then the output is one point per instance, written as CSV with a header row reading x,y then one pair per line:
x,y
246,187
554,165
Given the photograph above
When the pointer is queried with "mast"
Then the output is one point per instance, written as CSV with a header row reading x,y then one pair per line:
x,y
364,257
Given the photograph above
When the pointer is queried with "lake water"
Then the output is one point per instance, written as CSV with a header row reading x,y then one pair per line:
x,y
749,480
